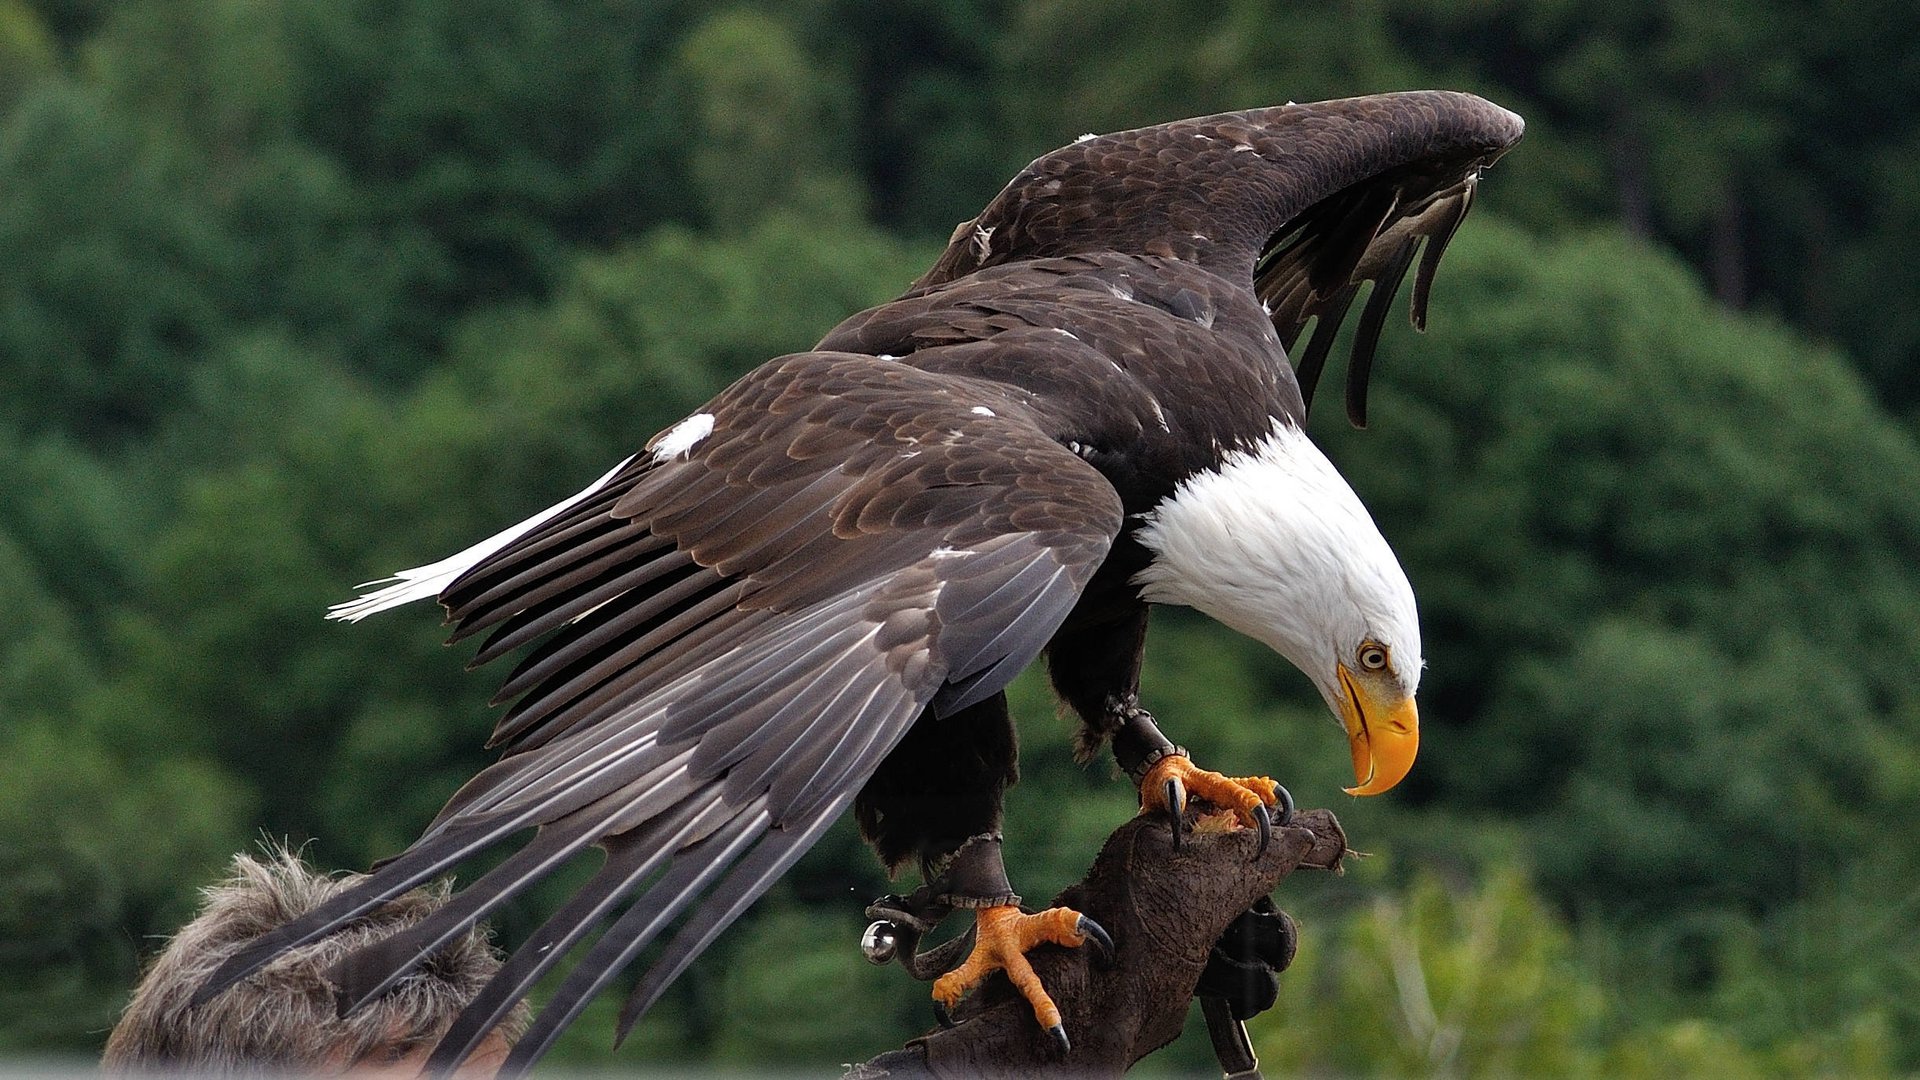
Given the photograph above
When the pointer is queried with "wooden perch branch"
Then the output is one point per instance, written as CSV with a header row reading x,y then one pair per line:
x,y
1165,909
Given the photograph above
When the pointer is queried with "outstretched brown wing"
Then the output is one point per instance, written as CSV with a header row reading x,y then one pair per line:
x,y
735,628
1305,203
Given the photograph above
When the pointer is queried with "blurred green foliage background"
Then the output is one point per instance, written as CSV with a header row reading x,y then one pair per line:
x,y
297,292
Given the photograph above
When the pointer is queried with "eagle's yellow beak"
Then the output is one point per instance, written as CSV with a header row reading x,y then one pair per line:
x,y
1384,736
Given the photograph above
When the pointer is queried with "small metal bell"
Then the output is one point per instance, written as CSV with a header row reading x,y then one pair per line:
x,y
880,942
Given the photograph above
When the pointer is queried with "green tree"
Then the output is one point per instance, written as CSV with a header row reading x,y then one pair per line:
x,y
115,279
1443,980
1437,984
768,125
28,53
488,140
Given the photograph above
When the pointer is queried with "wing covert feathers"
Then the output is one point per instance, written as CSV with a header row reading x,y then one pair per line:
x,y
1306,201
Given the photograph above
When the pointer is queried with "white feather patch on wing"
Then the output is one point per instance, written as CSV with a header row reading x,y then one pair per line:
x,y
431,580
681,437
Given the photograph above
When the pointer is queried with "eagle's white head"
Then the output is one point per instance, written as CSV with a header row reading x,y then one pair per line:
x,y
1275,544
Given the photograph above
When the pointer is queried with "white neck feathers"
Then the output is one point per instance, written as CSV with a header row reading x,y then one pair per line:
x,y
1275,544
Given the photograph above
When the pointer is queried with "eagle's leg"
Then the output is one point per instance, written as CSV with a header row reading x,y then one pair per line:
x,y
1167,777
937,798
1095,666
1168,783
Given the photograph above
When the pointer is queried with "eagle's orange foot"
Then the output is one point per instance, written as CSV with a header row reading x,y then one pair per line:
x,y
1173,778
1002,936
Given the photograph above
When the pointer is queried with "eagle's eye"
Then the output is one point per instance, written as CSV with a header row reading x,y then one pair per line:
x,y
1372,656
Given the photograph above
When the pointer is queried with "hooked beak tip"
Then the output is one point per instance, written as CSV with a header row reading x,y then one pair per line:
x,y
1384,738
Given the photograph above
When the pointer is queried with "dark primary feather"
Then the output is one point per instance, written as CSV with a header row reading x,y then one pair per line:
x,y
690,874
1314,269
631,858
722,646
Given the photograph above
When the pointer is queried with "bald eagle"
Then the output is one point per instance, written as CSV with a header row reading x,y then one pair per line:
x,y
811,594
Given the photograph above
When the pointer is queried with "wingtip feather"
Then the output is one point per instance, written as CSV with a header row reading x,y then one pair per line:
x,y
404,589
424,582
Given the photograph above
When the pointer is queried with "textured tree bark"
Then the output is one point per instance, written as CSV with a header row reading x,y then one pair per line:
x,y
1165,909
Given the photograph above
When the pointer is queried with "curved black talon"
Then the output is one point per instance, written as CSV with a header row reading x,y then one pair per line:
x,y
1177,807
1264,822
940,1014
1286,807
1061,1043
1102,941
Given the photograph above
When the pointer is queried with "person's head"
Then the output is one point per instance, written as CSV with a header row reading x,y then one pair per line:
x,y
284,1017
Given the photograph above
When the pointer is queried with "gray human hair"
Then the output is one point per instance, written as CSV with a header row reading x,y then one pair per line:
x,y
283,1018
